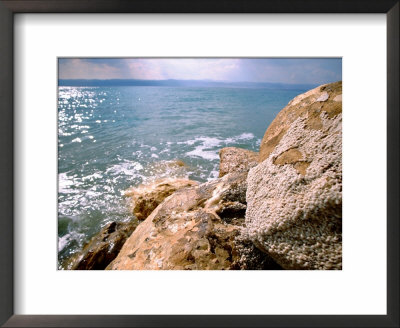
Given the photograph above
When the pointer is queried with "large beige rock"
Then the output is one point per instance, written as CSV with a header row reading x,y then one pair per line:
x,y
232,159
310,104
147,197
103,247
294,197
193,229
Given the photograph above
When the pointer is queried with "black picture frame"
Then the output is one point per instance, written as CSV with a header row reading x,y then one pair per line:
x,y
10,7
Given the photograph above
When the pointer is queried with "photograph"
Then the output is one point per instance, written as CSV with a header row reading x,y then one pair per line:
x,y
178,163
167,143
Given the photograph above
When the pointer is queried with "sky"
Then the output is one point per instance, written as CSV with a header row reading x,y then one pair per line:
x,y
275,70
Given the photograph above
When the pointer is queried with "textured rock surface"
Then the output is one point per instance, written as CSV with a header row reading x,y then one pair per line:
x,y
294,197
232,159
193,229
147,197
104,247
310,104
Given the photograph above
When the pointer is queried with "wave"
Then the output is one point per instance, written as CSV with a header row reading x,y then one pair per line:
x,y
67,239
200,151
129,168
208,147
65,182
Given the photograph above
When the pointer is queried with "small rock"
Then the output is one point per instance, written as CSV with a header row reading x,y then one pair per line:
x,y
338,98
323,97
103,248
147,197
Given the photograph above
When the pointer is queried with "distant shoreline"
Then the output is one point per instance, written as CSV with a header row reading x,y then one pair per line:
x,y
181,83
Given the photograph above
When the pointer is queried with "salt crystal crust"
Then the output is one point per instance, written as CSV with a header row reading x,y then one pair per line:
x,y
294,196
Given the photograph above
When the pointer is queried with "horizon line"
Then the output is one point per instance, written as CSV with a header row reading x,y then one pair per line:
x,y
199,80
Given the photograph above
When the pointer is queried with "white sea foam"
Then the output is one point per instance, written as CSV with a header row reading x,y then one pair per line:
x,y
63,241
91,177
213,175
166,150
92,194
66,239
79,127
245,136
206,141
63,133
127,168
138,153
205,149
188,142
200,152
64,183
208,147
77,140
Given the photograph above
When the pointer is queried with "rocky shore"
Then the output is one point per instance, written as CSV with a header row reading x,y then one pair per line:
x,y
280,208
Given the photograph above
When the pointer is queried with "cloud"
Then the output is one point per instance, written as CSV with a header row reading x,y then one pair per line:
x,y
285,70
90,69
183,68
293,70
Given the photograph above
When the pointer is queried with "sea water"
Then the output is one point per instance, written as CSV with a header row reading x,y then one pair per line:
x,y
114,138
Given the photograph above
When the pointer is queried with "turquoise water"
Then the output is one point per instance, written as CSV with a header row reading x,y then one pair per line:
x,y
113,138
